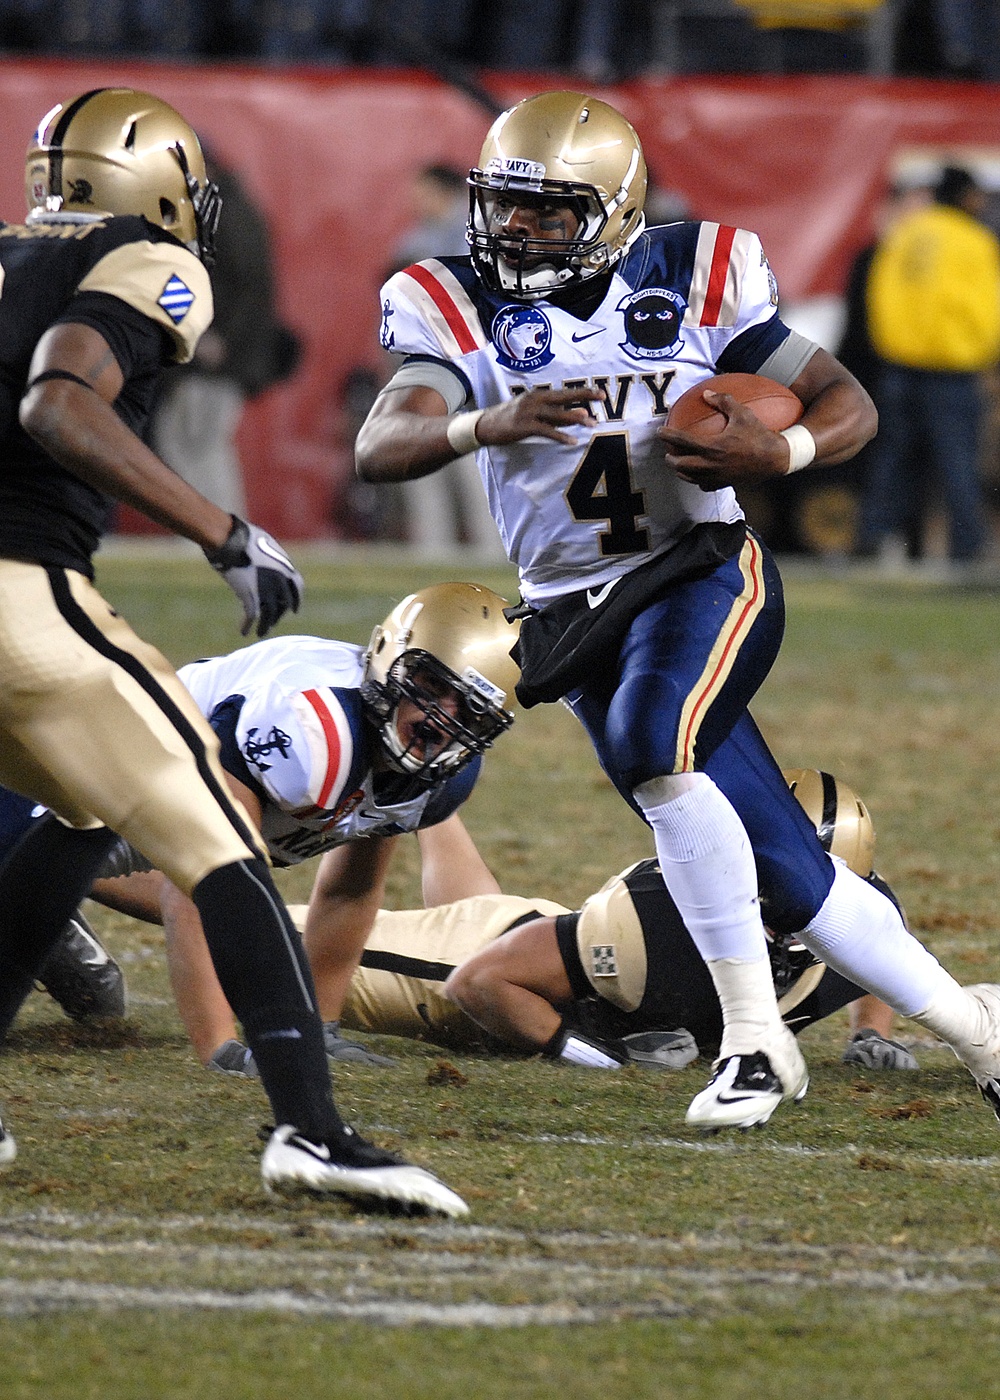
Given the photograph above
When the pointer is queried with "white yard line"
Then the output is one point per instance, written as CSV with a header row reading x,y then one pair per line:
x,y
18,1299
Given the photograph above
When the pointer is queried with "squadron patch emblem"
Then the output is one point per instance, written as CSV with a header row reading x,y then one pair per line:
x,y
652,323
522,336
603,962
176,299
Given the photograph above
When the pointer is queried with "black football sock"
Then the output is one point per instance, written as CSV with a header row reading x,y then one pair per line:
x,y
262,968
42,882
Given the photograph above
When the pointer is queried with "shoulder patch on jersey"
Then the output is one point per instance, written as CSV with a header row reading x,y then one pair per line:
x,y
603,962
717,280
176,299
522,336
331,745
445,305
653,319
165,282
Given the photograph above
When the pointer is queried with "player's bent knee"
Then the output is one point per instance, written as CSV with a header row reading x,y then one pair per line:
x,y
656,791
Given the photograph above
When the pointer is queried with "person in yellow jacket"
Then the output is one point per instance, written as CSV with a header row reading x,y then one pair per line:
x,y
934,312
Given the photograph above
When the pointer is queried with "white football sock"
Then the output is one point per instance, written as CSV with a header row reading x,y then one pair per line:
x,y
968,1019
750,1014
707,864
708,867
860,934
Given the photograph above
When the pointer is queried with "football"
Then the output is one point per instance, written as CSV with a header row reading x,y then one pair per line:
x,y
775,406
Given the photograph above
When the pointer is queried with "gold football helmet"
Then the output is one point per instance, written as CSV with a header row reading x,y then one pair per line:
x,y
446,650
559,148
118,151
840,817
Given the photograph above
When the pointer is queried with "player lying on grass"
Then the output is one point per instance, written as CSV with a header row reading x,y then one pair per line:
x,y
617,981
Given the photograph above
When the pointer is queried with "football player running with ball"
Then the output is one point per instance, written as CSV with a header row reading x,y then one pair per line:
x,y
555,352
103,285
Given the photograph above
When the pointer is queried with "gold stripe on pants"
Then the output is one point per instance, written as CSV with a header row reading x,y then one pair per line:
x,y
95,724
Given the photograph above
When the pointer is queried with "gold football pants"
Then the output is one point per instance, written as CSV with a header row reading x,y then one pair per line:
x,y
95,724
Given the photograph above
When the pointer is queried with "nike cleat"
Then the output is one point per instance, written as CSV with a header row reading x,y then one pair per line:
x,y
292,1164
81,975
743,1093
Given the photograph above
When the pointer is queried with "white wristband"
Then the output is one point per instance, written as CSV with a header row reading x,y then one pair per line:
x,y
801,447
462,432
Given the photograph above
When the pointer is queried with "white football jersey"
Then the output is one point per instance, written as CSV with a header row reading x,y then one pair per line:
x,y
688,301
296,722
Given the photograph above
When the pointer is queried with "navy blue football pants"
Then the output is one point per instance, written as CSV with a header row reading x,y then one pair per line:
x,y
687,670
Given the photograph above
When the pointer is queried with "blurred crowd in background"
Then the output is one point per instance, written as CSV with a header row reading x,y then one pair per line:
x,y
600,40
898,501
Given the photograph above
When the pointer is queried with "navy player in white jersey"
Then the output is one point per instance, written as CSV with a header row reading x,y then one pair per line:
x,y
334,750
554,352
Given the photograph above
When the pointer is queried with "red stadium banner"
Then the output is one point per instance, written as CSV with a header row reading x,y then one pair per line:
x,y
329,155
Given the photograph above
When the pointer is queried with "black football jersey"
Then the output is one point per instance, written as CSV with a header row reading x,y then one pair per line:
x,y
148,296
633,966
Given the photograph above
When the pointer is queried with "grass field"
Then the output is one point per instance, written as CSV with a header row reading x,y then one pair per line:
x,y
850,1249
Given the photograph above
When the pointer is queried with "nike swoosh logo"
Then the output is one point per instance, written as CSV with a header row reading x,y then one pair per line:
x,y
586,335
318,1150
739,1098
267,548
596,596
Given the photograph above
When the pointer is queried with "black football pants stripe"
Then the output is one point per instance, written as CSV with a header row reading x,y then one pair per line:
x,y
78,620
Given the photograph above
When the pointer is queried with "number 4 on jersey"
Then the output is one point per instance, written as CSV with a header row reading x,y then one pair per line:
x,y
602,489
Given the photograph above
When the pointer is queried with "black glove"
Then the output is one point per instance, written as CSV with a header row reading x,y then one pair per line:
x,y
260,573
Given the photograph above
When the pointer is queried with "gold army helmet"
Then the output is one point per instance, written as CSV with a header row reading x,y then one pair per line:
x,y
444,649
119,151
562,148
840,817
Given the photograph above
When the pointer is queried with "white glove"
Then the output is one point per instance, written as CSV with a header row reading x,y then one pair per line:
x,y
260,573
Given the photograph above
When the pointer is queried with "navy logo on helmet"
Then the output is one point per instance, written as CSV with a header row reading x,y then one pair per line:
x,y
652,323
81,192
522,336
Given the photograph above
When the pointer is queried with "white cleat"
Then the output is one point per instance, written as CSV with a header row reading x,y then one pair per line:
x,y
746,1089
293,1164
8,1148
